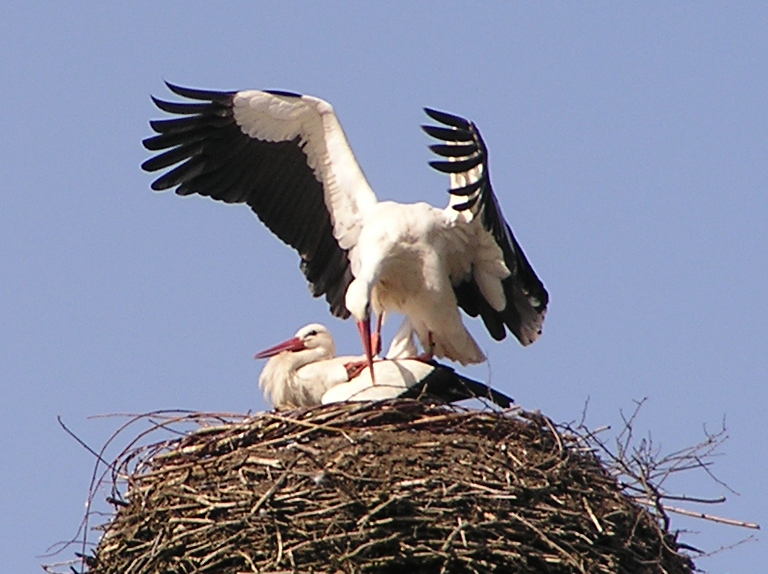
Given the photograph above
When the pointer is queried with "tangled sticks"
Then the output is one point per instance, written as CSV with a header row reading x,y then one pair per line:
x,y
400,486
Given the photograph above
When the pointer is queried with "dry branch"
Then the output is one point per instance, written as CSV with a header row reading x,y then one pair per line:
x,y
375,488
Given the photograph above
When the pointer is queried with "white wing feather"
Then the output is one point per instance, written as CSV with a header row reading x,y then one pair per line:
x,y
276,118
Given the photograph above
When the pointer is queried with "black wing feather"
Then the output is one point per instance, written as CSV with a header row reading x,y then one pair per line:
x,y
469,204
179,125
214,158
180,108
448,119
459,166
220,97
446,385
468,189
447,150
526,296
458,135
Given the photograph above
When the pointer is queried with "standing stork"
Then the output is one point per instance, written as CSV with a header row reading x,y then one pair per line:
x,y
286,156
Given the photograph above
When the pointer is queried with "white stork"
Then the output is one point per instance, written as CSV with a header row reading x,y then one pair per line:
x,y
286,156
304,371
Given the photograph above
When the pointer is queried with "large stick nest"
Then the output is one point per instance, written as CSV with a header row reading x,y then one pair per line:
x,y
391,487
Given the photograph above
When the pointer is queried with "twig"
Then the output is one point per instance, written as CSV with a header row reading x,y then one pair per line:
x,y
704,516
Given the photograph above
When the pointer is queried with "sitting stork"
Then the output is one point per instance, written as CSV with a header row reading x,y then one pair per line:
x,y
286,156
304,371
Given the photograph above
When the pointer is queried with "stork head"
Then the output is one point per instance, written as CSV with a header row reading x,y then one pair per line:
x,y
313,337
358,300
310,344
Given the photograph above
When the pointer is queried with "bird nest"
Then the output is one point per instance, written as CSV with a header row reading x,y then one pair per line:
x,y
397,486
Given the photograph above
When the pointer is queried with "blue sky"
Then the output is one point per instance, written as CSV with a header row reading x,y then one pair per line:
x,y
628,147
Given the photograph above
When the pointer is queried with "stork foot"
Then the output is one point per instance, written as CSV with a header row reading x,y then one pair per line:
x,y
427,357
354,368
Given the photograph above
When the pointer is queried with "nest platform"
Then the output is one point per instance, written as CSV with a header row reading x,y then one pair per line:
x,y
392,487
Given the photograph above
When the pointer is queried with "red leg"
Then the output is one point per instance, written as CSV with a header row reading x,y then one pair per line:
x,y
365,334
428,353
354,368
376,337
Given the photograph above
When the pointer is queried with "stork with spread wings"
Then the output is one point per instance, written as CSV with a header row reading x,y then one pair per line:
x,y
286,156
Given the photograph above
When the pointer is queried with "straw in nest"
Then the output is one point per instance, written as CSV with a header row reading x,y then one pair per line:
x,y
392,487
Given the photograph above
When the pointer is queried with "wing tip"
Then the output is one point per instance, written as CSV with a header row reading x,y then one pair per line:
x,y
220,96
448,119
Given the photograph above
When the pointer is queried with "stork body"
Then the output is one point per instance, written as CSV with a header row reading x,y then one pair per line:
x,y
287,157
407,268
413,379
303,371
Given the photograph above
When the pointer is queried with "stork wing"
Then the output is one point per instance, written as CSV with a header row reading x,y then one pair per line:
x,y
470,189
445,384
414,379
283,154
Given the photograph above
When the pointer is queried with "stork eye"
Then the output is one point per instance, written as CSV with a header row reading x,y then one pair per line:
x,y
312,333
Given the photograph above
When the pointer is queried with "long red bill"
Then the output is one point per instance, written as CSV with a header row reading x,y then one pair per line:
x,y
294,344
365,334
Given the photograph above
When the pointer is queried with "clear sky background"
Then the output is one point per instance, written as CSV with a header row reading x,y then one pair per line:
x,y
628,148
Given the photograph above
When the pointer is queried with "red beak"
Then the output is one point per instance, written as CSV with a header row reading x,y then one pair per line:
x,y
365,334
294,344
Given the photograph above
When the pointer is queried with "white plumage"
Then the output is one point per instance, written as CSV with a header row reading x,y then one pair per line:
x,y
287,157
303,368
304,371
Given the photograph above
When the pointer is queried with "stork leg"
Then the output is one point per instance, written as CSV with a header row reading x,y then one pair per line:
x,y
364,327
429,353
376,337
354,368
